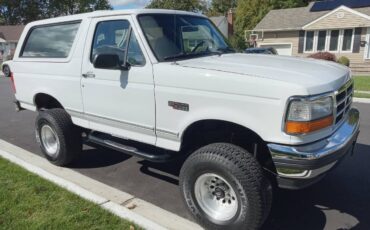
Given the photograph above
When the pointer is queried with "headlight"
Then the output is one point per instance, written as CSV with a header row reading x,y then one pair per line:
x,y
307,115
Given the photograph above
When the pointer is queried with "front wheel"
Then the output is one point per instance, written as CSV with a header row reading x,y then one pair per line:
x,y
6,71
224,188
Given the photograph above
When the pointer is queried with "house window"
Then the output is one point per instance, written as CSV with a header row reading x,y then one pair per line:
x,y
347,40
334,40
329,40
309,41
321,40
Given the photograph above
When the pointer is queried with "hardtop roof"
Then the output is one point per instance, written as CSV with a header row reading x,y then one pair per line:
x,y
107,13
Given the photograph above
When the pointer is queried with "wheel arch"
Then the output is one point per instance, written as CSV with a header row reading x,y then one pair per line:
x,y
3,68
207,131
46,101
4,65
196,123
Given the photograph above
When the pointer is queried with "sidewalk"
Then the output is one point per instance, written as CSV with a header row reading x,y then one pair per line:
x,y
365,92
361,100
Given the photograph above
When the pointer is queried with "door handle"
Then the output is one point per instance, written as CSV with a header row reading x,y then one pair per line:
x,y
88,75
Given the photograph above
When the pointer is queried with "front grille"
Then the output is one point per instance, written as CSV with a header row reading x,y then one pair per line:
x,y
343,101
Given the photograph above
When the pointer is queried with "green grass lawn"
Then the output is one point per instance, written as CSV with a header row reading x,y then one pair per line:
x,y
362,83
362,95
30,202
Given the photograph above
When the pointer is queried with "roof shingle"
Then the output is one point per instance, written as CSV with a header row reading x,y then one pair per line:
x,y
11,33
294,18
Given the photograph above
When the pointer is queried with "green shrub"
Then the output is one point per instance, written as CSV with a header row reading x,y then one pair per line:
x,y
324,56
237,42
344,61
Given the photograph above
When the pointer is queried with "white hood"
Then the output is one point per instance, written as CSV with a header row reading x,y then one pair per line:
x,y
315,75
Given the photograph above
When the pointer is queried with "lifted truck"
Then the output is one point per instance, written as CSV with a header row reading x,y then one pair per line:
x,y
169,80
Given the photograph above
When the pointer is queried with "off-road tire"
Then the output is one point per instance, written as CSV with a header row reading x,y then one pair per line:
x,y
68,134
6,71
243,173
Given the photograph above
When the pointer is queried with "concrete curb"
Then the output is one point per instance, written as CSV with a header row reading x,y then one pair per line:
x,y
115,201
365,92
361,100
101,201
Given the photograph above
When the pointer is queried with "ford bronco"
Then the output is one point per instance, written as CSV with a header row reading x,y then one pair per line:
x,y
243,124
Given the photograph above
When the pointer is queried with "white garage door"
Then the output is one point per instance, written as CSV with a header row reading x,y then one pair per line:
x,y
282,49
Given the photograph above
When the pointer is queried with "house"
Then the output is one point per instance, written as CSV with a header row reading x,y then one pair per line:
x,y
225,23
9,36
340,27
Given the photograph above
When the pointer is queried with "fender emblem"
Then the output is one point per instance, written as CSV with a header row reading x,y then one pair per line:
x,y
179,106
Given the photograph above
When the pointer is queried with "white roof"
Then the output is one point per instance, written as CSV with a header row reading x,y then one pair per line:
x,y
105,13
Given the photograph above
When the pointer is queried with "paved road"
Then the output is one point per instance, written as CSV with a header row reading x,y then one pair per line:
x,y
340,201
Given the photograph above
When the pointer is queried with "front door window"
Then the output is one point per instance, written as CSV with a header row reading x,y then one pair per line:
x,y
112,37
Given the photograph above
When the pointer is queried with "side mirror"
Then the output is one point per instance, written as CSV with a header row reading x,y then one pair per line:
x,y
125,66
109,61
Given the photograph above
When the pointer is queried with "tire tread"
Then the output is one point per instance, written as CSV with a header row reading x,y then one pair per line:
x,y
245,168
68,134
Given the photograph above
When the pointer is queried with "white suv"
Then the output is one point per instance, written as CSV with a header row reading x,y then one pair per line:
x,y
169,80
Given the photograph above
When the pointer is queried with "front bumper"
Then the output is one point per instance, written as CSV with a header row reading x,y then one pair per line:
x,y
300,166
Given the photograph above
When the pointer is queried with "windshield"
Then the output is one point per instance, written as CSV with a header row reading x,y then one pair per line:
x,y
174,37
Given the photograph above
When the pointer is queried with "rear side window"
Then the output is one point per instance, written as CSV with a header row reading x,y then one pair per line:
x,y
54,41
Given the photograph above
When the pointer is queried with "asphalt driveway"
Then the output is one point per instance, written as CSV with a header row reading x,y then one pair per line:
x,y
340,201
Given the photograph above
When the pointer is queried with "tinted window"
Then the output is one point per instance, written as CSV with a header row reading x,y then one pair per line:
x,y
111,37
50,41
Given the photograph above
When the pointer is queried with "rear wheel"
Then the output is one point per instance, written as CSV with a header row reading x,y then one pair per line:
x,y
60,140
6,71
224,188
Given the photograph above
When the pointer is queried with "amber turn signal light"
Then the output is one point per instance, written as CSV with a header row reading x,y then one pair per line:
x,y
304,127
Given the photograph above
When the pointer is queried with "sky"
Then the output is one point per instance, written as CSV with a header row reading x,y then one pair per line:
x,y
128,4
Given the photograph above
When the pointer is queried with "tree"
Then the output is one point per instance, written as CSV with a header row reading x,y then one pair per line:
x,y
220,7
186,5
25,11
67,7
10,11
250,12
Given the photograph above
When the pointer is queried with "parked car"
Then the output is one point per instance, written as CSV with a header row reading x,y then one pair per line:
x,y
269,50
6,69
242,123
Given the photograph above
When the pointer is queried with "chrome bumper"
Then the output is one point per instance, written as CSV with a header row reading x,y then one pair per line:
x,y
302,165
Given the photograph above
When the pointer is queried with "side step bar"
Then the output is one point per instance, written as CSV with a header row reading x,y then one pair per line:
x,y
114,143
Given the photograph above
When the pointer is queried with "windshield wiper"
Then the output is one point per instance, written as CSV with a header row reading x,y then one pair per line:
x,y
177,56
226,50
190,55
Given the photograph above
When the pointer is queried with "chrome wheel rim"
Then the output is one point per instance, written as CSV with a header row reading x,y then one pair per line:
x,y
49,140
216,197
